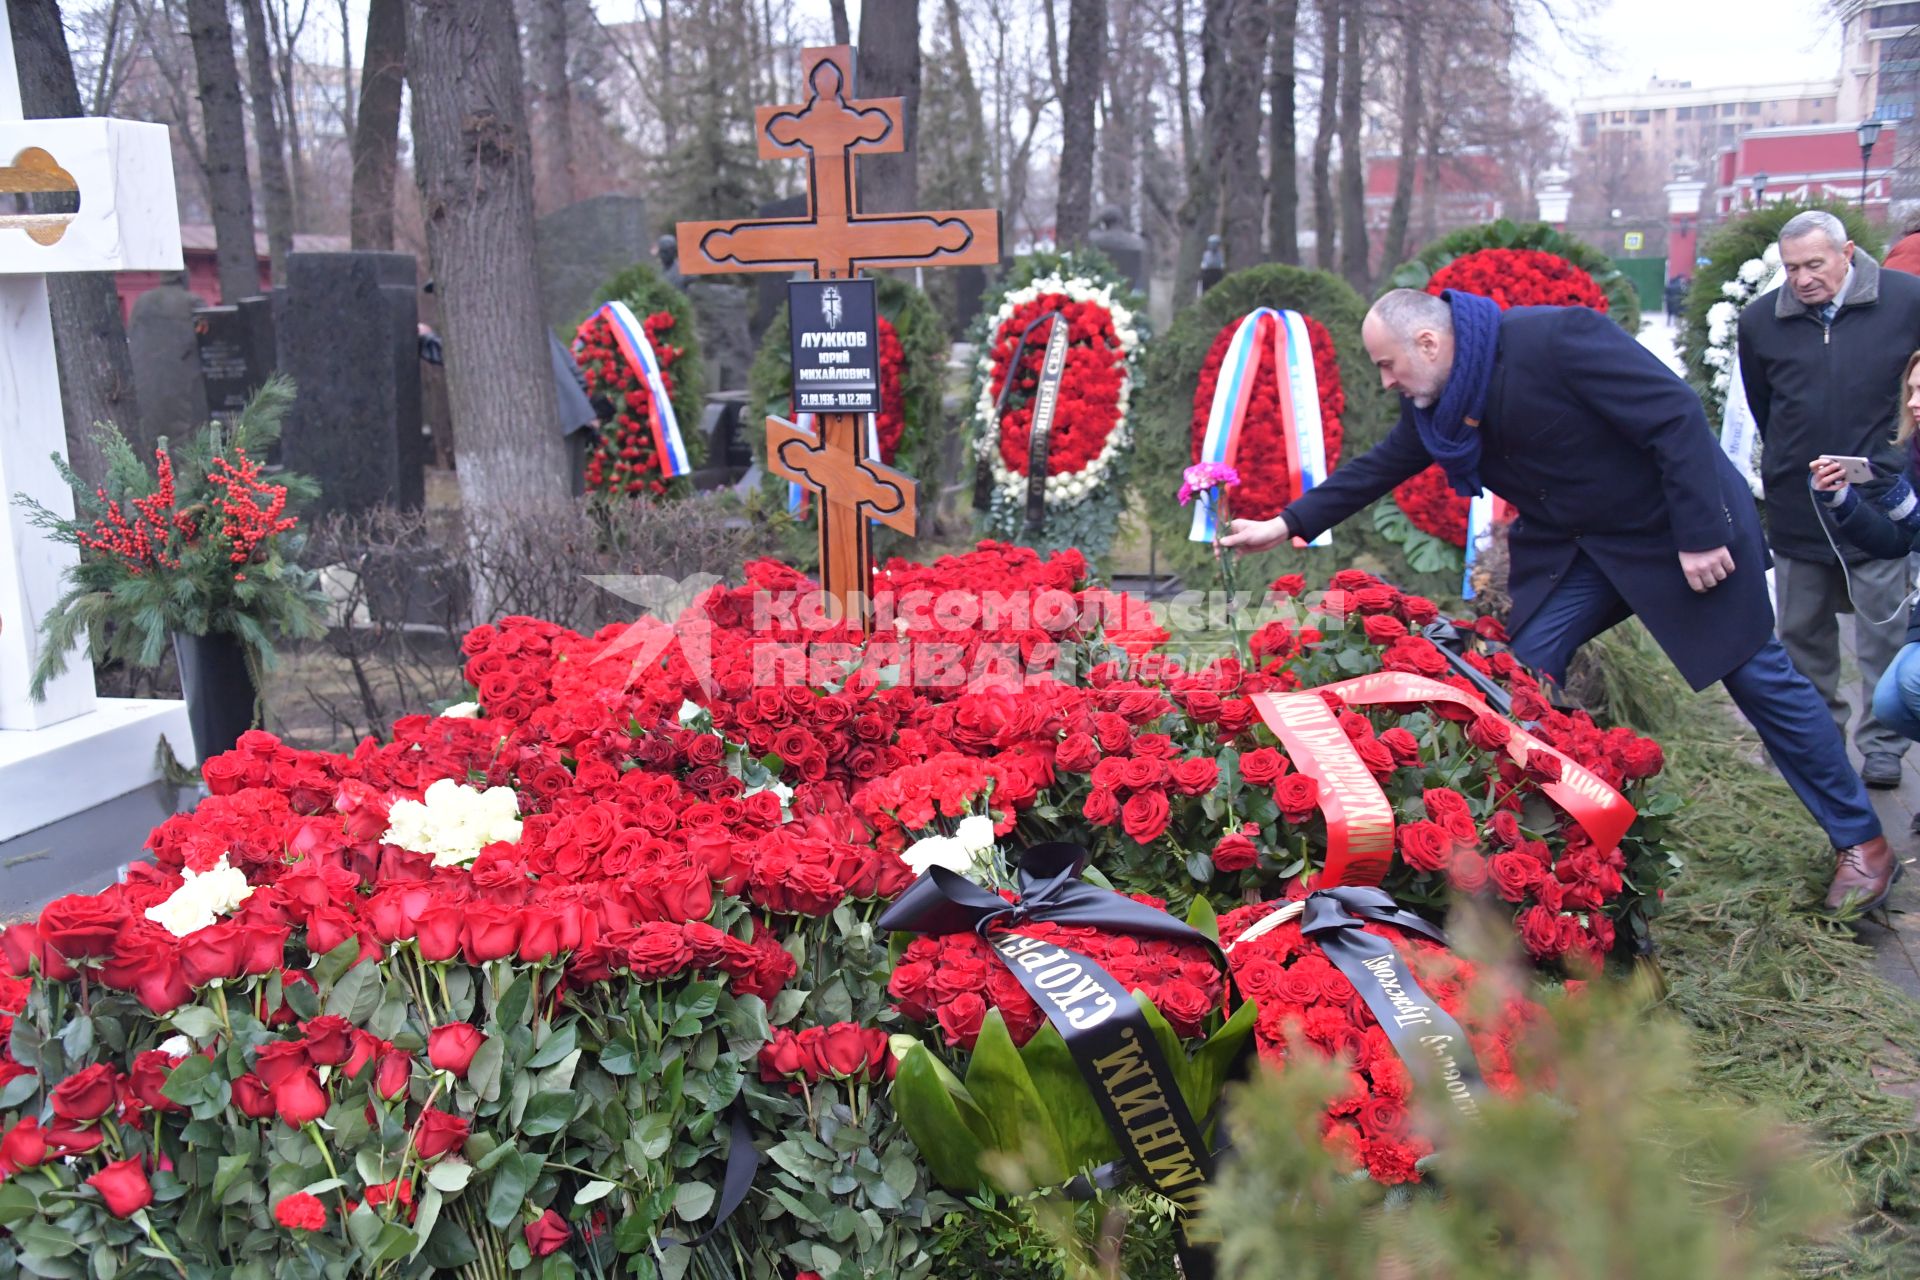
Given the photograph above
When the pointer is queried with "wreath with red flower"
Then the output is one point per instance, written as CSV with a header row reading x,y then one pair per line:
x,y
628,458
891,421
1092,387
1512,278
1520,278
1265,486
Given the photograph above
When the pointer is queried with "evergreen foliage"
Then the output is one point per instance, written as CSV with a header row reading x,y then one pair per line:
x,y
1623,304
645,292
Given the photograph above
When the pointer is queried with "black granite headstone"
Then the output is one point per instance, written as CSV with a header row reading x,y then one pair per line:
x,y
166,364
236,351
347,328
579,248
1126,249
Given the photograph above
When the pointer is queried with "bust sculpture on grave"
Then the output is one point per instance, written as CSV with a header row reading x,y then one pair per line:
x,y
668,249
1124,247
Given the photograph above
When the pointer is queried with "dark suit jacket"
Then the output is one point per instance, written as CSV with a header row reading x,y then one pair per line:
x,y
1601,449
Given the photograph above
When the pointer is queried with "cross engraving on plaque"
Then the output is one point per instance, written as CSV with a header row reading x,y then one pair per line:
x,y
835,241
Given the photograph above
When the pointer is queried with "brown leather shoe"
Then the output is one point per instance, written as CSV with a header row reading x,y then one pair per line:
x,y
1863,878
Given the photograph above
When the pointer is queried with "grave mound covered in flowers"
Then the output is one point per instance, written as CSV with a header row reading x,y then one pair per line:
x,y
590,976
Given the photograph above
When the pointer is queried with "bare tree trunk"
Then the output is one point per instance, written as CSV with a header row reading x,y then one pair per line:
x,y
1086,67
842,33
476,191
889,66
1325,219
226,152
1283,187
90,341
1411,118
1353,165
275,187
346,69
554,172
1200,209
286,35
1429,190
376,132
1233,123
1121,99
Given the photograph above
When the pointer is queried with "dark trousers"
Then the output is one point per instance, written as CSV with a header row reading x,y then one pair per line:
x,y
1782,704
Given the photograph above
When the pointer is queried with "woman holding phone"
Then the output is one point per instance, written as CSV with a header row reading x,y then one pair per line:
x,y
1887,526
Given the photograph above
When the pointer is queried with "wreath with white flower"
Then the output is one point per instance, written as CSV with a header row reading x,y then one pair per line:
x,y
1753,278
1090,441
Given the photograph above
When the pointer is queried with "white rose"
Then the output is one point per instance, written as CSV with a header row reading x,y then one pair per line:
x,y
975,833
201,899
461,711
937,851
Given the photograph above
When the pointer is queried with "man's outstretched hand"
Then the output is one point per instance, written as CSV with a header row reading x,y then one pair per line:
x,y
1256,535
1706,570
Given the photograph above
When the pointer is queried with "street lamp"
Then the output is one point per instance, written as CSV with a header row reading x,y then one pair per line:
x,y
1760,188
1868,133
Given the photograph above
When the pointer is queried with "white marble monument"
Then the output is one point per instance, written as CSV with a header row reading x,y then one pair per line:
x,y
77,772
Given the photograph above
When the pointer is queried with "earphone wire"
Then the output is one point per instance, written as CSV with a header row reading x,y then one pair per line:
x,y
1822,513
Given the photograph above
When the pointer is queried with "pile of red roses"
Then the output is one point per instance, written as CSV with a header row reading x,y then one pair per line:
x,y
1520,278
891,421
1265,486
1303,998
952,980
627,460
1433,506
1089,404
843,1051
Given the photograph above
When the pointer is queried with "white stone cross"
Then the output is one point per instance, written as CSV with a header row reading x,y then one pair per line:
x,y
127,220
71,764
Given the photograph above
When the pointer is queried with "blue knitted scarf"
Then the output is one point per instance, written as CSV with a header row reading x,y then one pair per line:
x,y
1450,427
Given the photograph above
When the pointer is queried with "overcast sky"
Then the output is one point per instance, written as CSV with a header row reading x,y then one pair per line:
x,y
1710,42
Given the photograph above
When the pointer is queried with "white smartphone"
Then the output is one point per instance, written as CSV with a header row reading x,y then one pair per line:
x,y
1856,470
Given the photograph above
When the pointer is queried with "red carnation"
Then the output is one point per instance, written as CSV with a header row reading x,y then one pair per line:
x,y
301,1212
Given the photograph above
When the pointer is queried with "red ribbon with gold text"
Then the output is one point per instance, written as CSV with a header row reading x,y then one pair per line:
x,y
1359,842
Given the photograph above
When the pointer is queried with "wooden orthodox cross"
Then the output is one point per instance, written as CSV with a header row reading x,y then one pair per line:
x,y
834,241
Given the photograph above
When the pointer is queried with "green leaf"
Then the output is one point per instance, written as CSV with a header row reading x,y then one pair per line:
x,y
693,1200
1202,916
196,1021
16,1203
654,1135
1017,1119
231,1168
617,1059
357,994
18,1090
187,1083
1085,1137
1210,1064
593,1191
483,1073
450,1176
513,1177
547,1113
558,1046
77,1038
512,1009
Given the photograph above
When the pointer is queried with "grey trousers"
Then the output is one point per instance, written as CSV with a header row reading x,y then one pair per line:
x,y
1809,597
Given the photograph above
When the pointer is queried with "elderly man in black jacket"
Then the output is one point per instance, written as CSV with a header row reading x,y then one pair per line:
x,y
1821,359
1627,506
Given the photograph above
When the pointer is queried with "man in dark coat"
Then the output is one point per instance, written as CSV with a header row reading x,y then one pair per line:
x,y
1822,358
1626,506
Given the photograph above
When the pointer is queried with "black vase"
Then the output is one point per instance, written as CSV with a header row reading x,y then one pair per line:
x,y
218,688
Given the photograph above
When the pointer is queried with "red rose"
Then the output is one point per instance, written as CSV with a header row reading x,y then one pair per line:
x,y
1513,875
437,1133
1183,1004
85,1095
437,931
252,1097
782,1056
1203,706
656,951
1077,753
124,1186
145,1078
1101,807
1404,746
298,1099
212,954
82,926
1195,776
844,1050
1468,871
1383,628
329,1040
547,1233
1382,1117
1235,853
451,1047
960,1019
1262,767
1543,765
392,1072
301,1212
1298,797
1144,816
1423,845
23,1147
1540,932
490,932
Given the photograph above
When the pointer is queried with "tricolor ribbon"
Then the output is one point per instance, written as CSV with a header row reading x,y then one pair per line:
x,y
631,337
797,496
1302,437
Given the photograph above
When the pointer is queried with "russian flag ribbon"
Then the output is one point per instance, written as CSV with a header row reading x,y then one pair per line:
x,y
631,338
1301,434
1483,513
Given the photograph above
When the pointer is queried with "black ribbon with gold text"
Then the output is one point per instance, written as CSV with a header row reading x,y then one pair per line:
x,y
1098,1018
1425,1036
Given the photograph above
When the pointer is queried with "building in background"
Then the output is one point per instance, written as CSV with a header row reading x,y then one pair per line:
x,y
1807,164
1876,75
1472,188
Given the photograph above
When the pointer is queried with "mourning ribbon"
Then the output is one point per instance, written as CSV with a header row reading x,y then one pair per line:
x,y
1425,1036
1108,1036
1038,441
743,1162
1452,644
